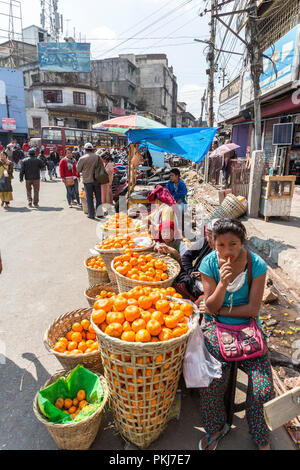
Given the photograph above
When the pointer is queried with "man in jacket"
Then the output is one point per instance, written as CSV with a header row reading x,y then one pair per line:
x,y
86,166
30,169
54,156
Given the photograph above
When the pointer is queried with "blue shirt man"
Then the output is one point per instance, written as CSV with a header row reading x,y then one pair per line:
x,y
177,187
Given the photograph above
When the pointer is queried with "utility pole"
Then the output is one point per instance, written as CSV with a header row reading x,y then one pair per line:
x,y
202,107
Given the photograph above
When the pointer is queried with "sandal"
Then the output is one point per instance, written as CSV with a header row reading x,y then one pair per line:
x,y
210,441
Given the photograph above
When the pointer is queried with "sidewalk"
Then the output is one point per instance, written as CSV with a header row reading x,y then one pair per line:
x,y
278,241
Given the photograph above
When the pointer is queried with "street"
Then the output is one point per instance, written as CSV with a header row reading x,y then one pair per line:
x,y
43,251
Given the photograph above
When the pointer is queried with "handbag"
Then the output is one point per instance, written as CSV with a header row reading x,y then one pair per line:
x,y
100,173
241,342
69,181
5,185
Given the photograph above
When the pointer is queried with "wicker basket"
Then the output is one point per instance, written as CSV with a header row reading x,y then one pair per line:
x,y
84,204
109,255
91,293
143,379
96,276
230,207
73,436
59,328
125,284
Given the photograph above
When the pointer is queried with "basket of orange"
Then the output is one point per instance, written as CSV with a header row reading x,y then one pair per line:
x,y
72,340
143,335
70,405
143,269
96,269
116,246
120,224
101,291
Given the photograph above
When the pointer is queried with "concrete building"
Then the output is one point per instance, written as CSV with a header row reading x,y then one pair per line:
x,y
157,87
184,118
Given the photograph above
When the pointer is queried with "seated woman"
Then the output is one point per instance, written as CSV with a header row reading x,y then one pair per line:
x,y
170,241
162,211
229,297
188,282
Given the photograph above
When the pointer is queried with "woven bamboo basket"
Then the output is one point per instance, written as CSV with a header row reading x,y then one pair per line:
x,y
96,276
73,436
125,284
84,204
230,207
143,379
59,328
109,255
90,293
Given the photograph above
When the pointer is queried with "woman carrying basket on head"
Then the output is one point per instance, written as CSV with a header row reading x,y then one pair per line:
x,y
232,300
163,210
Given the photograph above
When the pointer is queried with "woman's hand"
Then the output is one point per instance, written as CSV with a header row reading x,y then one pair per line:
x,y
163,248
225,274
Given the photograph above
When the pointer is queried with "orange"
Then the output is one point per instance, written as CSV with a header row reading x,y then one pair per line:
x,y
143,336
82,404
103,304
114,329
82,346
187,309
103,326
115,317
138,324
69,335
81,395
126,326
154,339
177,295
120,304
179,331
165,334
59,403
77,327
72,410
156,315
91,335
98,316
89,343
162,306
154,327
146,316
91,329
164,276
145,302
75,401
60,347
72,345
132,312
68,403
132,301
76,336
170,291
94,346
85,323
128,336
63,340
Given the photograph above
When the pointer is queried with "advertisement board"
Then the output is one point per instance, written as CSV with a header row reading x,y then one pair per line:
x,y
8,124
12,102
64,56
280,69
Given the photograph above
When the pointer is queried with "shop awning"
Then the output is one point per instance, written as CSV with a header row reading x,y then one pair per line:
x,y
191,143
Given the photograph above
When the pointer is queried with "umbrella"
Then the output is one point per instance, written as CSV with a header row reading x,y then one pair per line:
x,y
133,121
224,149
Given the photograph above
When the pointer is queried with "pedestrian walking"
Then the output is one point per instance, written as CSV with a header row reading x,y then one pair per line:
x,y
86,166
54,156
233,281
30,169
76,154
43,159
17,156
70,177
26,148
50,166
106,189
6,175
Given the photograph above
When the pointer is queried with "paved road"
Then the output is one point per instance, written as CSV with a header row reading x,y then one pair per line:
x,y
43,277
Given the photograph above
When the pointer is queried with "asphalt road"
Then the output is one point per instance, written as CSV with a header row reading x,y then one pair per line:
x,y
43,251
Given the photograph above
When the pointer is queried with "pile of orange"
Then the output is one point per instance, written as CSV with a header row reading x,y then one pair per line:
x,y
120,242
143,314
141,267
96,262
119,222
104,293
81,339
72,406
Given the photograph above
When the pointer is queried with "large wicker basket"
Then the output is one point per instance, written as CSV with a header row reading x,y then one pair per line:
x,y
230,207
125,284
143,379
59,328
109,255
96,276
90,294
73,436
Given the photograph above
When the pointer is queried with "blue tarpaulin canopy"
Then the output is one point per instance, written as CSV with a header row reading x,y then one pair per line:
x,y
191,143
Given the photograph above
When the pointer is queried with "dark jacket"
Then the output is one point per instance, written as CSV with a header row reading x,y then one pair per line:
x,y
30,168
17,155
43,159
54,157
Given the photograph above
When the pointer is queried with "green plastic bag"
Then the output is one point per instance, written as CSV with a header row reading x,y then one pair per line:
x,y
67,387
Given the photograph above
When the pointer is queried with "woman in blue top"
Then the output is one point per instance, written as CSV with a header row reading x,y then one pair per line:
x,y
225,283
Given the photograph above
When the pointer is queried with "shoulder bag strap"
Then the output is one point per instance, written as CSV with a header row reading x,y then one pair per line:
x,y
249,264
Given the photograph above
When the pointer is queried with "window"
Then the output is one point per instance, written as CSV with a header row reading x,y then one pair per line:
x,y
79,98
70,137
86,136
51,136
35,77
41,37
36,123
53,96
78,137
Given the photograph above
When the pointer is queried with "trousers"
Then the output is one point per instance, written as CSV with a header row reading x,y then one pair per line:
x,y
91,189
35,184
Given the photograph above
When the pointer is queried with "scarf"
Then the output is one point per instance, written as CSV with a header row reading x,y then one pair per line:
x,y
70,164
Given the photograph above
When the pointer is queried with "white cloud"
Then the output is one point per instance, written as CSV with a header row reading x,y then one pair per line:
x,y
191,94
102,39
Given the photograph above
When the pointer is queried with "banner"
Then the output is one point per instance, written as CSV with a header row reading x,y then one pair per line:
x,y
64,56
8,124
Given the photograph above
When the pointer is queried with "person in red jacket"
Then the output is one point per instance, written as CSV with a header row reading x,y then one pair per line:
x,y
26,148
70,177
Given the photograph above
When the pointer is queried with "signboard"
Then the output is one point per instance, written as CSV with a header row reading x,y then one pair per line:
x,y
242,18
64,56
118,111
232,89
9,124
278,71
229,109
